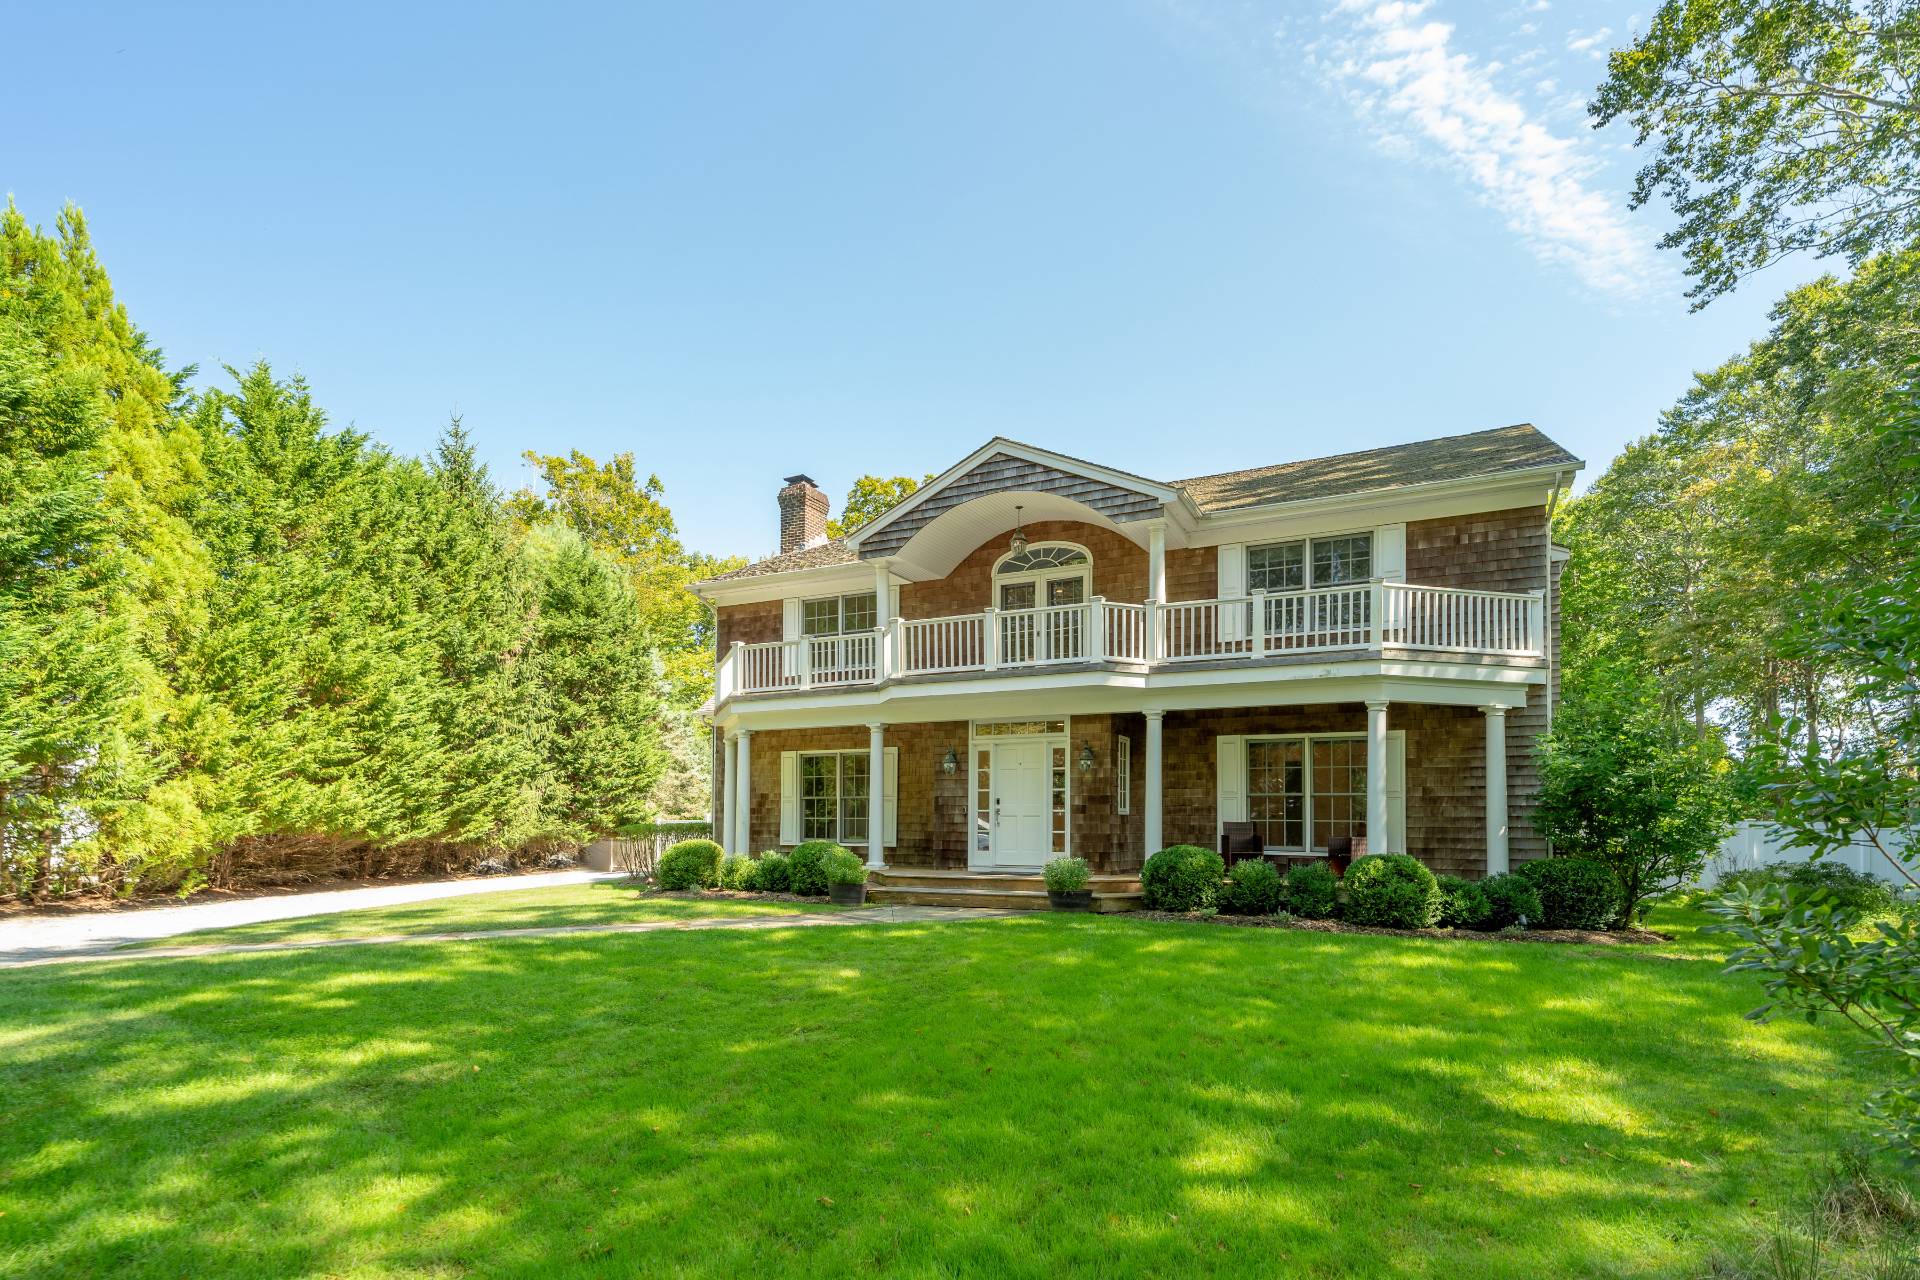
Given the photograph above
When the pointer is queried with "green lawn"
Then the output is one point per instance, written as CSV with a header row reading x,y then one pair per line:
x,y
1025,1096
600,902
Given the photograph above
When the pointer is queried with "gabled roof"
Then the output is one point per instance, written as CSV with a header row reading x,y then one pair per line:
x,y
1479,453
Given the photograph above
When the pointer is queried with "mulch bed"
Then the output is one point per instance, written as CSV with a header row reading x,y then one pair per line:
x,y
1584,937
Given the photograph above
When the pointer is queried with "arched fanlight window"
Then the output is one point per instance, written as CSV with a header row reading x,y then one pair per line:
x,y
1047,556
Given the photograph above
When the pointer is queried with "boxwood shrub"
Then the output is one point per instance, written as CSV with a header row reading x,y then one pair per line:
x,y
843,866
1575,893
1182,877
807,867
691,864
735,870
1511,900
1392,889
1253,888
1463,903
770,873
1312,891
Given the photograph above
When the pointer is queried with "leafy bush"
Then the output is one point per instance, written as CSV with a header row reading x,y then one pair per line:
x,y
736,870
807,869
843,866
1510,900
770,873
1844,886
1463,903
1312,892
1066,875
691,864
1575,893
1253,889
1182,877
1392,889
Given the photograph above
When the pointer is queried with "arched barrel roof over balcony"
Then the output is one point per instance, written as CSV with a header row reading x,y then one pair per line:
x,y
930,533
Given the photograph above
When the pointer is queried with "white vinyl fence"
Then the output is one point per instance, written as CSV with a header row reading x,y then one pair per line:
x,y
1760,844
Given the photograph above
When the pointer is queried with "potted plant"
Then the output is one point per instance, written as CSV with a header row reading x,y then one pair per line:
x,y
1067,884
846,878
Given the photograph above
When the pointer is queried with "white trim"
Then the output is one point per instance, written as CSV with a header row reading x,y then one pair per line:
x,y
1435,494
789,798
1123,774
1162,493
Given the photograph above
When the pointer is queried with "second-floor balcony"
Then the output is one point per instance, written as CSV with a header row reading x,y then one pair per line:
x,y
1376,617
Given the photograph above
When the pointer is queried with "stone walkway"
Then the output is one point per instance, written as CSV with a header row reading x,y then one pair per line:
x,y
34,937
868,915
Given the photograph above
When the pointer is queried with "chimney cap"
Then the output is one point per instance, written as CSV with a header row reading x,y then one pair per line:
x,y
806,480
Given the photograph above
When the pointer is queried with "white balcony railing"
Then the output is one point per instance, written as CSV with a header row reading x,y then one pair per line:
x,y
1370,616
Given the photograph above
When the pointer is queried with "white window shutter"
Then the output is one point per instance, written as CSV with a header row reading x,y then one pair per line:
x,y
790,619
1230,774
1230,583
1396,792
890,798
1390,552
789,796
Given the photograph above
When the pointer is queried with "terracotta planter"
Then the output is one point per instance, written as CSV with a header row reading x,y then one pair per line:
x,y
847,895
1071,899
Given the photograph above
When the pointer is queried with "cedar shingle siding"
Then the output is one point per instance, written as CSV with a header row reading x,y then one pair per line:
x,y
1003,473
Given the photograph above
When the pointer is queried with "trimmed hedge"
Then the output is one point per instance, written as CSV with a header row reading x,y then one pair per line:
x,y
1575,893
807,867
1312,892
770,873
1182,877
1253,888
1510,901
691,864
1463,903
1392,889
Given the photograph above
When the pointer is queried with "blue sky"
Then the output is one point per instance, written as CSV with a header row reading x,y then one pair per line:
x,y
747,240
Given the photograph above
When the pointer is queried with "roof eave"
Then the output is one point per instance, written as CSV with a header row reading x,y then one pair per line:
x,y
1457,484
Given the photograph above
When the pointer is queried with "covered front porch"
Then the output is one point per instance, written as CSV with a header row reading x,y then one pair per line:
x,y
1003,793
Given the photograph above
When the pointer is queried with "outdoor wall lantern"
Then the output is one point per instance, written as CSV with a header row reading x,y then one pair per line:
x,y
1086,758
949,763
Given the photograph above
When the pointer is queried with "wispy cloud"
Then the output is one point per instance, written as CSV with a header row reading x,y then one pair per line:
x,y
1425,98
1591,43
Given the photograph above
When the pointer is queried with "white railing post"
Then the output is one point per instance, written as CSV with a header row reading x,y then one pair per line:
x,y
990,638
1376,613
727,677
1258,598
1537,623
1097,630
1151,640
896,643
803,661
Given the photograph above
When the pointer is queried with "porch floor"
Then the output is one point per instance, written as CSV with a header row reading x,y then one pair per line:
x,y
1004,890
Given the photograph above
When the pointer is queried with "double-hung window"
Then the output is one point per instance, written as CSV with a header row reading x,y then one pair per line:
x,y
839,615
834,787
1278,568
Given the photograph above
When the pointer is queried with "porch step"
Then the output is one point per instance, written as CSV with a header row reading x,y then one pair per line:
x,y
1006,892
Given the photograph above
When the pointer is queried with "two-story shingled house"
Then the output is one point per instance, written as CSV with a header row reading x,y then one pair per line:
x,y
1038,655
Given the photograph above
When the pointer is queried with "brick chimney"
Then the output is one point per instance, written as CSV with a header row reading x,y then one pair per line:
x,y
803,514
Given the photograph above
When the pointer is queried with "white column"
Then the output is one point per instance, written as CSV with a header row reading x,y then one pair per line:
x,y
1496,789
883,618
876,785
1153,840
1156,590
743,792
1157,564
722,798
1377,779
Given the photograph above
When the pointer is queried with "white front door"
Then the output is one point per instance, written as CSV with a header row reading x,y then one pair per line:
x,y
1021,822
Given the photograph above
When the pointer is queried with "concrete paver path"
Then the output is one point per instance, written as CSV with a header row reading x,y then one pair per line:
x,y
788,920
51,936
